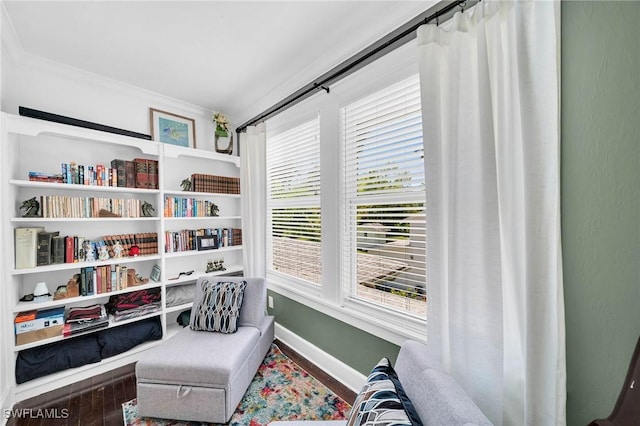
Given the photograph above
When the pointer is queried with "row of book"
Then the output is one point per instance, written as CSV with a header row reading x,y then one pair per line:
x,y
64,206
36,247
215,184
105,279
136,173
139,173
189,207
146,243
187,239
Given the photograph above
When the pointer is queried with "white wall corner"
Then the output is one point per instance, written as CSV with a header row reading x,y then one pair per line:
x,y
346,375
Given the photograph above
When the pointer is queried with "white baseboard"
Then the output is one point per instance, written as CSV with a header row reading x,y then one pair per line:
x,y
346,375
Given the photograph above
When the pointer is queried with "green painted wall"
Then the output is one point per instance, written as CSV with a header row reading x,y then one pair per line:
x,y
354,347
600,199
600,214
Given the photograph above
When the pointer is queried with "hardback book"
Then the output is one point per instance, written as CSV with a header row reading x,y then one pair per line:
x,y
83,281
26,246
45,248
69,248
130,173
57,243
142,173
120,167
153,173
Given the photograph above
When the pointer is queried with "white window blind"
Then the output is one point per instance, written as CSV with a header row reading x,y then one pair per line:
x,y
384,218
293,202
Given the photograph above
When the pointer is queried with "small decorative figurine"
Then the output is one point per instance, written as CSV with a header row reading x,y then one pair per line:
x,y
31,207
215,265
147,209
89,251
214,210
103,253
186,184
118,250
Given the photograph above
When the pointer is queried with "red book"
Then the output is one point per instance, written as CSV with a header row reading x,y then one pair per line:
x,y
142,173
130,173
69,249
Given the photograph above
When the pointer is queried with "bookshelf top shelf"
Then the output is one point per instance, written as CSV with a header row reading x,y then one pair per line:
x,y
180,151
33,127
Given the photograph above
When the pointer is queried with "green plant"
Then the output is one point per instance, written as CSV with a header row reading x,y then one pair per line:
x,y
222,124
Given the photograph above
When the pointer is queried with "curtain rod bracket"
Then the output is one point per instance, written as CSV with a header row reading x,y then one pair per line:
x,y
319,86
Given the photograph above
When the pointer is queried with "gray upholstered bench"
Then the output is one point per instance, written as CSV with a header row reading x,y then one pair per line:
x,y
202,375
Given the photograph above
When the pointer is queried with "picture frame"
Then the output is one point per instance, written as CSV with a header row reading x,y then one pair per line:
x,y
172,129
207,242
155,273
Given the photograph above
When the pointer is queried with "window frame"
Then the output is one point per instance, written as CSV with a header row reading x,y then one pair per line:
x,y
329,298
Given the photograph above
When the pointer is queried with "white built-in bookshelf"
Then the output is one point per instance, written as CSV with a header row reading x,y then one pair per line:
x,y
29,145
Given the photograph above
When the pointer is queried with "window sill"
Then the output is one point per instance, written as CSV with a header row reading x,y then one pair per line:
x,y
388,327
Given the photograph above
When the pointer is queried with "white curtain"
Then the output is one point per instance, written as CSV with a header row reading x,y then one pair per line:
x,y
253,191
490,104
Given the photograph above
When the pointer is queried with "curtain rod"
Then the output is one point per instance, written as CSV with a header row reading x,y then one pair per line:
x,y
398,37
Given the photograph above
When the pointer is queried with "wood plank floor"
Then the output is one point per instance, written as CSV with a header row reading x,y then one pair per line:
x,y
97,401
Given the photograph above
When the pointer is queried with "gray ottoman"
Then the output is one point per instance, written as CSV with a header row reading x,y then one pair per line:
x,y
201,375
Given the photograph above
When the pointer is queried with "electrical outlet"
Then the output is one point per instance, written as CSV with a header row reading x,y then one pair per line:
x,y
270,302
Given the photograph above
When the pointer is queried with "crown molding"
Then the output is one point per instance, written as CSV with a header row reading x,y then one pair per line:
x,y
14,52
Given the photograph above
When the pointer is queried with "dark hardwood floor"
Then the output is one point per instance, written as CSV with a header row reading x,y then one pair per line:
x,y
97,401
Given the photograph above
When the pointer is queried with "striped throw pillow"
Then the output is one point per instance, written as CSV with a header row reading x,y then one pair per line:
x,y
219,307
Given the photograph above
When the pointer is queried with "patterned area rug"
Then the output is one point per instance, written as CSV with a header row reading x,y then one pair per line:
x,y
280,390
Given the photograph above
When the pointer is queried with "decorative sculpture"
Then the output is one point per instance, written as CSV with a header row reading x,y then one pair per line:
x,y
31,207
214,210
89,252
147,209
118,250
103,253
186,184
215,265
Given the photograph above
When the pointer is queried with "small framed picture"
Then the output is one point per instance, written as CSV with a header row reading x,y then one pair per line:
x,y
207,242
172,128
155,273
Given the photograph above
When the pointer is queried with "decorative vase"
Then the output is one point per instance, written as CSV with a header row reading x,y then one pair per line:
x,y
228,149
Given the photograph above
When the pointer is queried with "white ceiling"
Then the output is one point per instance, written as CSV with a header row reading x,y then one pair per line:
x,y
239,57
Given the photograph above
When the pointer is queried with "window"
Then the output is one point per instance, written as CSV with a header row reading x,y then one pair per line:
x,y
362,144
293,202
384,200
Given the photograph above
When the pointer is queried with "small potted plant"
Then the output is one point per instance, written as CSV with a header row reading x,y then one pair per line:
x,y
222,131
222,125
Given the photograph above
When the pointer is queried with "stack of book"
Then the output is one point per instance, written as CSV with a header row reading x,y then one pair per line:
x,y
215,184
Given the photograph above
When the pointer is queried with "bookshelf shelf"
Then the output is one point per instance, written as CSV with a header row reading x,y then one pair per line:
x,y
201,194
175,151
27,306
182,219
112,324
233,269
36,220
210,253
77,265
78,187
42,147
